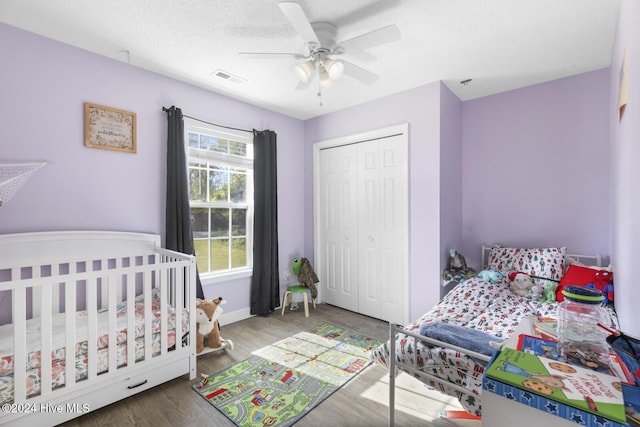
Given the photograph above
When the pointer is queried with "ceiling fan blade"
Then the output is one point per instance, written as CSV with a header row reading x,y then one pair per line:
x,y
297,18
383,35
359,73
273,54
373,8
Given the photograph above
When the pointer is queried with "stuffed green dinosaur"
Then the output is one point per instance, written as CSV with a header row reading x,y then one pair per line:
x,y
549,291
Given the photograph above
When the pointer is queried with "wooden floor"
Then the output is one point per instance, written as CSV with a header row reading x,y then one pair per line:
x,y
361,402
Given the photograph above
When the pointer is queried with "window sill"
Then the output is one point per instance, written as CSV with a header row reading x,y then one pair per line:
x,y
218,278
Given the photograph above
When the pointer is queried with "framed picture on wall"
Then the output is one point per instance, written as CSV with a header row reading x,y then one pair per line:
x,y
109,128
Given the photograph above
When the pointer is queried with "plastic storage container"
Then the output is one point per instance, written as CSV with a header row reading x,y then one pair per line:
x,y
580,339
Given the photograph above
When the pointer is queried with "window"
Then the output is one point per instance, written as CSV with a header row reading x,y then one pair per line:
x,y
221,199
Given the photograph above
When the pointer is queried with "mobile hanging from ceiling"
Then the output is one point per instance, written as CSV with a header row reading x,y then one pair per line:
x,y
321,47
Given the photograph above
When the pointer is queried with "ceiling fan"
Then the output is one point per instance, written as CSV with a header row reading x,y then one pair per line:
x,y
321,46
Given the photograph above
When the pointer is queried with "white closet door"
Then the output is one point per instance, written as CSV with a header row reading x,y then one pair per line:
x,y
382,215
361,222
338,218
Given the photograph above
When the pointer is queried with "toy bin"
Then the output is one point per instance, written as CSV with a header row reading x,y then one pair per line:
x,y
628,349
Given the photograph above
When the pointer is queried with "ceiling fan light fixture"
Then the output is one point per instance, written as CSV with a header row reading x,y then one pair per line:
x,y
334,68
325,80
304,70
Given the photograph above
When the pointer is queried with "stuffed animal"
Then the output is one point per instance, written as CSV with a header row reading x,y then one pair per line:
x,y
607,292
603,278
295,266
520,283
491,276
535,293
549,292
457,268
208,311
604,283
456,260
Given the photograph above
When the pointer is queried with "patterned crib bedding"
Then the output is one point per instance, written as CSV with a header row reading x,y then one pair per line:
x,y
58,355
491,308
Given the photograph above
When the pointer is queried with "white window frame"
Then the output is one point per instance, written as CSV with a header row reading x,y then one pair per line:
x,y
191,125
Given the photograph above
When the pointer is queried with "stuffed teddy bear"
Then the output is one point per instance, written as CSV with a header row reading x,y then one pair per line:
x,y
491,276
208,311
520,283
549,292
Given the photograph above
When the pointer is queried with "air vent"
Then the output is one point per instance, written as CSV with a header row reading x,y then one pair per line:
x,y
228,76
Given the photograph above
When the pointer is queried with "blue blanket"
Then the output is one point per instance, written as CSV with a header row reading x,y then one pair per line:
x,y
471,339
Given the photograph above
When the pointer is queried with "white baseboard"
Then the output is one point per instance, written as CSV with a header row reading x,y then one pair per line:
x,y
235,316
229,317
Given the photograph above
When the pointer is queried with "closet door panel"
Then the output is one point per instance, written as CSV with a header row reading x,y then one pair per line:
x,y
393,236
338,227
369,281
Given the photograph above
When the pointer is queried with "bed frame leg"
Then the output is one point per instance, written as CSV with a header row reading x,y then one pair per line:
x,y
392,373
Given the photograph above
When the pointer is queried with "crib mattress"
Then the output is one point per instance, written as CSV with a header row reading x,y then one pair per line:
x,y
58,355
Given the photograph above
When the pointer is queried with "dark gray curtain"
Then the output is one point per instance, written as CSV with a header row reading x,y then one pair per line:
x,y
178,235
265,283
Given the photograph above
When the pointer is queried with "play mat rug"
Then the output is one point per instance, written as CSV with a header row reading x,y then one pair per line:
x,y
282,382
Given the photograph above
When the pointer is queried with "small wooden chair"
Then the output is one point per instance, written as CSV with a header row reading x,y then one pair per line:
x,y
297,289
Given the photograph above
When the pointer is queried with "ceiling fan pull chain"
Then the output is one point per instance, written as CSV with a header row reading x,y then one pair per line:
x,y
320,98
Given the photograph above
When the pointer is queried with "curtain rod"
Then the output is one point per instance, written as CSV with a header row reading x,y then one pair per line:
x,y
209,123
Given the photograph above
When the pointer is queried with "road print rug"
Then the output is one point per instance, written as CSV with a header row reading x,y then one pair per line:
x,y
282,382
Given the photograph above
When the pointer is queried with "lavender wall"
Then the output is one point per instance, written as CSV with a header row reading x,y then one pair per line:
x,y
536,166
419,107
450,176
625,148
44,85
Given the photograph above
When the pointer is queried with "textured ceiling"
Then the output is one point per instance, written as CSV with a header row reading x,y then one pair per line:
x,y
499,44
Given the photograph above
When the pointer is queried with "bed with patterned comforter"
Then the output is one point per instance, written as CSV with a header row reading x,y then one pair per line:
x,y
475,304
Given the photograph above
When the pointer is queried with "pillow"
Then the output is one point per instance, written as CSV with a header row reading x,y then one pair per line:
x,y
579,275
501,258
546,263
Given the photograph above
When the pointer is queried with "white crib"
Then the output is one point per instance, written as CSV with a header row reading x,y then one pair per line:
x,y
86,291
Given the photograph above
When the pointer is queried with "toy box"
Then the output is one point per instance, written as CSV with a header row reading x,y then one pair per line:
x,y
583,396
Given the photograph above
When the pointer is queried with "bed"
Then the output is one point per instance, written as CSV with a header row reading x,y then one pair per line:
x,y
474,308
75,309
